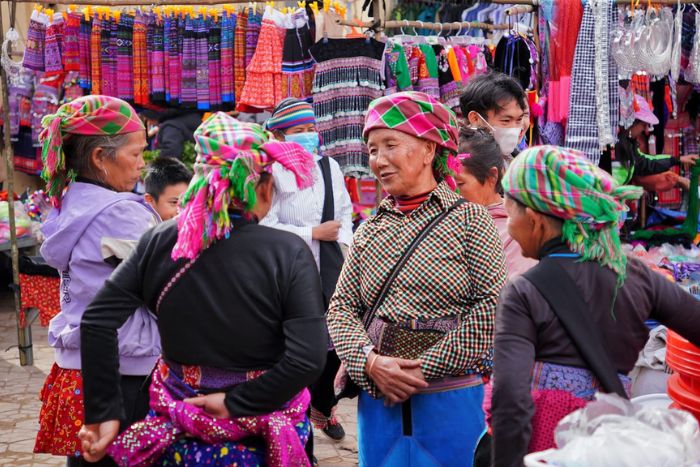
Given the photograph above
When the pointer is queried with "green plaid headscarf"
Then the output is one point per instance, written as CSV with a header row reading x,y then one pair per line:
x,y
420,115
563,183
88,115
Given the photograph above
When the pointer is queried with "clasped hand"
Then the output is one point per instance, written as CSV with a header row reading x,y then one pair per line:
x,y
95,438
397,378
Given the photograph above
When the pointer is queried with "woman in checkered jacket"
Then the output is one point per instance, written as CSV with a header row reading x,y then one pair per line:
x,y
420,359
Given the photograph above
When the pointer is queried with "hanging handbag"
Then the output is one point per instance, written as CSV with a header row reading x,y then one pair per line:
x,y
348,388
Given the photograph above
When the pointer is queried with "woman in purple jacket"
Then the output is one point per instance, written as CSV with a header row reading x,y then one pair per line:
x,y
93,157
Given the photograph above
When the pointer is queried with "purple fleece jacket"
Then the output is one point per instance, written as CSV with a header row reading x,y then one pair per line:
x,y
92,224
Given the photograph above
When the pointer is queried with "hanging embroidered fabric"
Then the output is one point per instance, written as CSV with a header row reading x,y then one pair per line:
x,y
140,60
428,81
168,39
106,57
96,54
173,51
71,87
71,38
125,59
398,75
450,89
36,37
228,26
113,52
84,52
44,102
201,39
188,98
252,34
214,47
53,60
348,77
297,64
263,85
157,60
239,51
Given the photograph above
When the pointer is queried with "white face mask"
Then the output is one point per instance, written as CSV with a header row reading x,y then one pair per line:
x,y
507,138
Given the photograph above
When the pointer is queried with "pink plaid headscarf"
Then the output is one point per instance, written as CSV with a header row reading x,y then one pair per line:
x,y
420,115
88,115
230,157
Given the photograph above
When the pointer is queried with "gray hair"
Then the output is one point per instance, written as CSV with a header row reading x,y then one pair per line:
x,y
79,148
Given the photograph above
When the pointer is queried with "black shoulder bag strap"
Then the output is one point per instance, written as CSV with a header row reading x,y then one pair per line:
x,y
569,307
369,316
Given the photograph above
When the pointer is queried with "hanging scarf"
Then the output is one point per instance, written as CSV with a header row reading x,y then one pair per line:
x,y
239,52
168,55
96,54
89,115
157,61
125,60
189,66
36,40
85,56
201,39
214,45
422,116
71,38
563,183
140,61
230,157
228,25
53,60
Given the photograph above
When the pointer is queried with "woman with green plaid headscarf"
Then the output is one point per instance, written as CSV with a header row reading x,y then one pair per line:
x,y
565,212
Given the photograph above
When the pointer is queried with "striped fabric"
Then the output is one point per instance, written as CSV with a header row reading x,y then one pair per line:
x,y
290,112
563,183
230,156
458,271
582,127
88,115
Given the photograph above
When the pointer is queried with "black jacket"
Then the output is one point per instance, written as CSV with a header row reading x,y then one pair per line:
x,y
250,302
174,132
527,330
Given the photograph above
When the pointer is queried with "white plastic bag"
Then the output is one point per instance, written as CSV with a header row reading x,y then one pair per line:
x,y
613,432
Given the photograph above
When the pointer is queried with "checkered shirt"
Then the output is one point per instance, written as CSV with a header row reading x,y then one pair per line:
x,y
458,270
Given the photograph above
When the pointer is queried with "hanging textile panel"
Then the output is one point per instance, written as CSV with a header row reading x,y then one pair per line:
x,y
348,76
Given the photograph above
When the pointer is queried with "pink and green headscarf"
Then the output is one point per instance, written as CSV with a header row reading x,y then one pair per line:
x,y
90,116
563,183
422,116
231,155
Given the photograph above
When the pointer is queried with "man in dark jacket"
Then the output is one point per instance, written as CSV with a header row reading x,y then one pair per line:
x,y
176,128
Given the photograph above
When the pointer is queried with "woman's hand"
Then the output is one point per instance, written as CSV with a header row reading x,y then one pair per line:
x,y
689,160
213,404
397,378
96,437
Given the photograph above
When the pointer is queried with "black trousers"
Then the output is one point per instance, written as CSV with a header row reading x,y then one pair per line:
x,y
322,391
135,395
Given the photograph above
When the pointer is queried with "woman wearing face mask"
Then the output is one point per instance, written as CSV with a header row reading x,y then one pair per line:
x,y
322,216
631,165
479,182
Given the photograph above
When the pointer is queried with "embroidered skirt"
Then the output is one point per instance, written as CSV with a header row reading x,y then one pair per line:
x,y
61,414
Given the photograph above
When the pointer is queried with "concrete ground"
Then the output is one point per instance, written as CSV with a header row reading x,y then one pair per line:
x,y
19,403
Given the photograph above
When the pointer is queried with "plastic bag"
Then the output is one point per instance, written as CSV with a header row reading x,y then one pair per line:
x,y
613,432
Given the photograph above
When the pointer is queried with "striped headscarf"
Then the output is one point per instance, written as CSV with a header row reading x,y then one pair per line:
x,y
90,116
290,112
420,115
230,157
563,183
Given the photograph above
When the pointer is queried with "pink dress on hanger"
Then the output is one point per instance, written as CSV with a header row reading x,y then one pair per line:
x,y
263,84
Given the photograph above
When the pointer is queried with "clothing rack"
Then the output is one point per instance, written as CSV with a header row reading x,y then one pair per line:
x,y
378,26
136,2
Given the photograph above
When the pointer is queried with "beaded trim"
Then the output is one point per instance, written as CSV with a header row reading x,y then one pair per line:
x,y
174,280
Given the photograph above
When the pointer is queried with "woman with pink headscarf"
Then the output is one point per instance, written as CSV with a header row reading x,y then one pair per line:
x,y
240,314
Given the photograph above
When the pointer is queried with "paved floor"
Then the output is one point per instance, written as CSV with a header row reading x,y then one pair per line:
x,y
19,403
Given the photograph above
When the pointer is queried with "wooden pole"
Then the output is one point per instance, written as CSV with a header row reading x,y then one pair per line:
x,y
424,25
24,339
118,3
